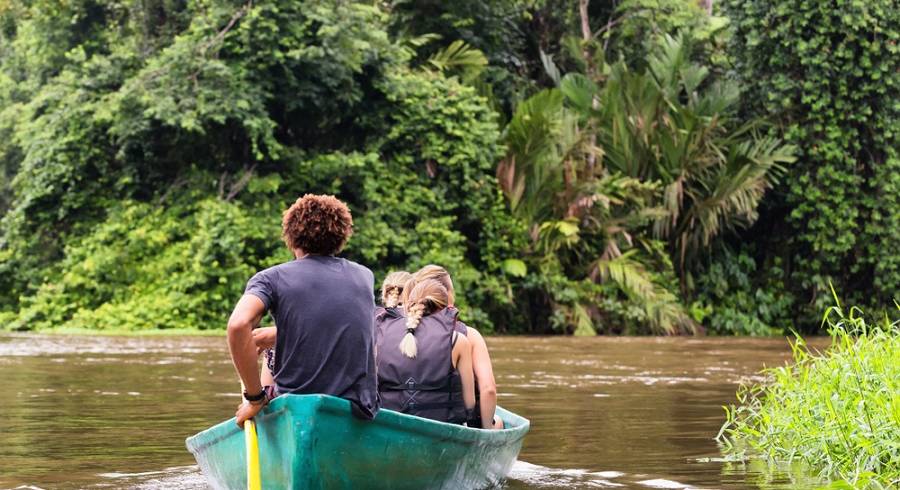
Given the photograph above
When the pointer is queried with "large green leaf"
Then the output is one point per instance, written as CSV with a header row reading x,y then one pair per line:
x,y
515,267
579,91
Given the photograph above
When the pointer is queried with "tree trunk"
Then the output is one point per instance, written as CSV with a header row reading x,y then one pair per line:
x,y
585,25
587,39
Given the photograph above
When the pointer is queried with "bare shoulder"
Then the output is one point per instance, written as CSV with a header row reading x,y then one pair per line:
x,y
475,337
460,341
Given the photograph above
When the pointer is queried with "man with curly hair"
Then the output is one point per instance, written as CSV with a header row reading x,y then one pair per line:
x,y
323,306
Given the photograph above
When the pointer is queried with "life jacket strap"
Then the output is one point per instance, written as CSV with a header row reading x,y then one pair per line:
x,y
414,405
413,386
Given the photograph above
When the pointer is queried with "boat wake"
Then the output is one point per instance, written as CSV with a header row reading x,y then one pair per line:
x,y
527,475
174,478
523,475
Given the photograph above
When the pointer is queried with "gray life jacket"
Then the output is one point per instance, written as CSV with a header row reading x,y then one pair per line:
x,y
384,316
427,386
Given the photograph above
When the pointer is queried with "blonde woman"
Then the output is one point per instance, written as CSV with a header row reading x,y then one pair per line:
x,y
391,290
485,385
424,364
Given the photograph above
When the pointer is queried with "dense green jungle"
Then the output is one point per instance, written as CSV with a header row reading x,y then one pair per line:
x,y
581,167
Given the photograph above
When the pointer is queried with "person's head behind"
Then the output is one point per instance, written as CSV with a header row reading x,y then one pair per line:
x,y
424,298
392,288
317,225
435,273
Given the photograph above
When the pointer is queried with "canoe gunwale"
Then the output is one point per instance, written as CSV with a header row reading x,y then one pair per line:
x,y
216,433
435,429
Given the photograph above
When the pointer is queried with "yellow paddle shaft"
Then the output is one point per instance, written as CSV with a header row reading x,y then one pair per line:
x,y
254,481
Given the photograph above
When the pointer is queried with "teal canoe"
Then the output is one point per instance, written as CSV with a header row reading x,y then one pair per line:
x,y
313,442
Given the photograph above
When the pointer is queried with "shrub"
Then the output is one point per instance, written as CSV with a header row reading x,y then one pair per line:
x,y
738,299
837,411
145,267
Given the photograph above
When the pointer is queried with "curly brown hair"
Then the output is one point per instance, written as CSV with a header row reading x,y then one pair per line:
x,y
319,225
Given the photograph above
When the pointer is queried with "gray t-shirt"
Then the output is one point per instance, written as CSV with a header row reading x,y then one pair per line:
x,y
324,309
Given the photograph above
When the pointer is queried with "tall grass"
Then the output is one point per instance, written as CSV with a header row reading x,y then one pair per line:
x,y
836,411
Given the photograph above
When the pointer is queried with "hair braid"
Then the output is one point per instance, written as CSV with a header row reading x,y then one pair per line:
x,y
421,299
408,345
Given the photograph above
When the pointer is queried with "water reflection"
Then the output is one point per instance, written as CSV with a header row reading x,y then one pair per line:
x,y
606,412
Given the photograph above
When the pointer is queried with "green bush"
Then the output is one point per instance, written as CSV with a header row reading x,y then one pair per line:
x,y
152,168
145,267
134,112
734,303
836,411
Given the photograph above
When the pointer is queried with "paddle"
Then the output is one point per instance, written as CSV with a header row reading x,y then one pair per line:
x,y
254,481
251,442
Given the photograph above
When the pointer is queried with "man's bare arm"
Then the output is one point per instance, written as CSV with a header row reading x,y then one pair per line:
x,y
246,315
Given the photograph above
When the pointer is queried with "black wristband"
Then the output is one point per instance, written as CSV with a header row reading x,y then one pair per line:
x,y
257,397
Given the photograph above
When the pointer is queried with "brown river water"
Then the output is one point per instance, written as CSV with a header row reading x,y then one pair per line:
x,y
113,412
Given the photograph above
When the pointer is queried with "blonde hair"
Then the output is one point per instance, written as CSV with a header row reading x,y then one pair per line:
x,y
435,273
422,298
392,287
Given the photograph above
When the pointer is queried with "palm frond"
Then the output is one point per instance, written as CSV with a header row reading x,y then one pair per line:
x,y
581,318
728,198
531,168
579,91
460,56
663,310
550,67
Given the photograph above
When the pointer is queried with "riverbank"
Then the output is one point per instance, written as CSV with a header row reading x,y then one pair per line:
x,y
195,332
837,411
168,332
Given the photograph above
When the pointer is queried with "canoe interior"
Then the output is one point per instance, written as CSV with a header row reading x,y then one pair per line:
x,y
312,441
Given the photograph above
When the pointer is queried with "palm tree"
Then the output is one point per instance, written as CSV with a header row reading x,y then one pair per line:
x,y
581,216
669,124
602,167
